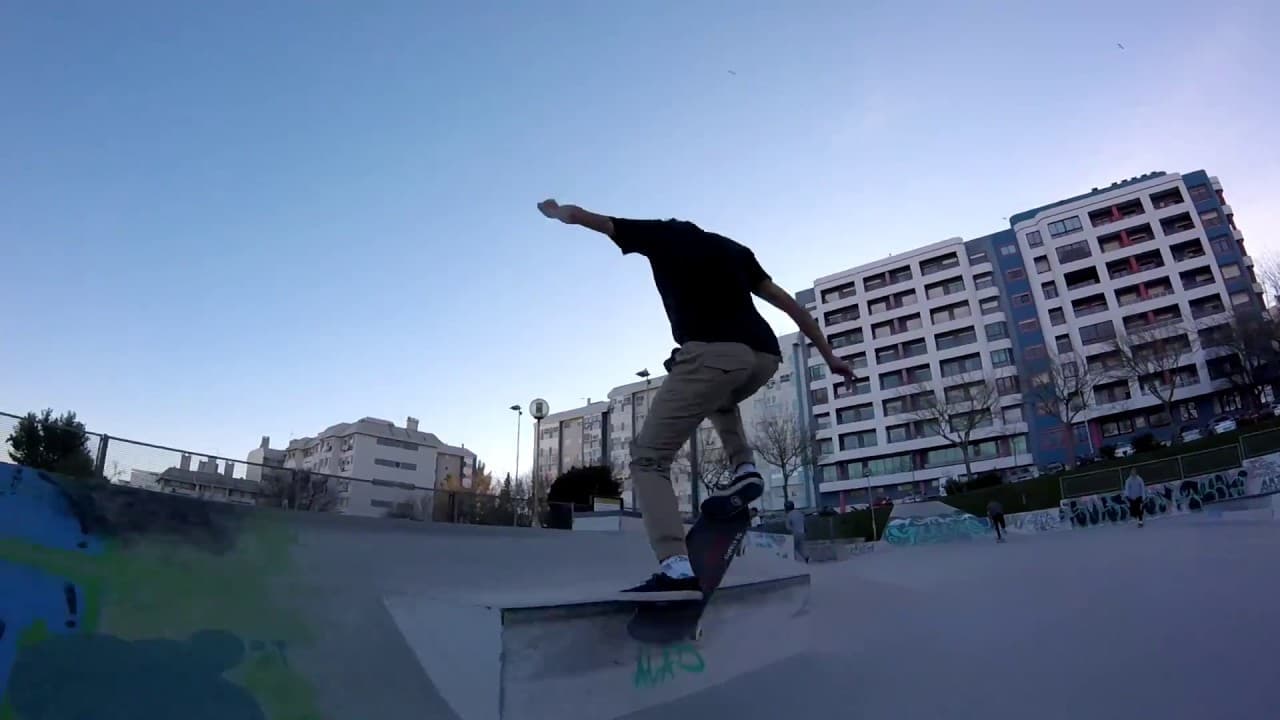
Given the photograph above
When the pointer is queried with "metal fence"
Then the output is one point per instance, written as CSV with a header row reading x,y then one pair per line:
x,y
210,477
1177,467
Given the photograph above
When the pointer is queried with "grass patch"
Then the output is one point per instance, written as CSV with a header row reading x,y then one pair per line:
x,y
1034,494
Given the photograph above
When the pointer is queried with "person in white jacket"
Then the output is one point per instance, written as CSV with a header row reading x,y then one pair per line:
x,y
1135,491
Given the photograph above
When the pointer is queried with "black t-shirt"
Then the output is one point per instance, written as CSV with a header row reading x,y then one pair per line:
x,y
705,281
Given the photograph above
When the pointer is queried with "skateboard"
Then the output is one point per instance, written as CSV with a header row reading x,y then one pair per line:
x,y
713,542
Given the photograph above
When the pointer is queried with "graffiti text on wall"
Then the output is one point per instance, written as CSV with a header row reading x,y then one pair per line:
x,y
932,529
1178,497
655,666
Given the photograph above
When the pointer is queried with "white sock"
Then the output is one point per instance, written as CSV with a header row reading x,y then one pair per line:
x,y
677,566
744,468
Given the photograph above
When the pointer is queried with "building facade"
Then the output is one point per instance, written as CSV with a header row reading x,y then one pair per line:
x,y
919,321
1153,262
376,464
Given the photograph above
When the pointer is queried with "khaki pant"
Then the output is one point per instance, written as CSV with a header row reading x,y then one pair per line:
x,y
706,380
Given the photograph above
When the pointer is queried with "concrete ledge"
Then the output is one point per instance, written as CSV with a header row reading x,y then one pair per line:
x,y
518,656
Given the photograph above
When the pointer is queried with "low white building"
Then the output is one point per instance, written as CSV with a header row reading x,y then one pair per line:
x,y
377,464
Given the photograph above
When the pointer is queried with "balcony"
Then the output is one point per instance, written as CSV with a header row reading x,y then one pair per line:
x,y
1181,222
1135,264
839,292
937,265
1116,213
1135,235
1198,278
1091,305
1189,250
1166,198
1153,320
1082,278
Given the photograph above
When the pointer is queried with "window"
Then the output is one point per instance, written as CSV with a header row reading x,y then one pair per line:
x,y
1022,299
1057,316
1009,249
348,443
854,413
1015,274
950,313
989,305
849,314
818,396
395,464
1065,227
1074,251
857,361
889,354
1230,271
1241,298
944,288
955,338
822,421
1028,326
860,387
997,330
936,265
1210,218
1199,192
1098,332
977,258
1001,358
914,348
826,446
1042,264
1008,385
1035,352
961,365
1034,240
983,281
1221,246
845,339
1050,290
839,292
1063,343
1011,414
854,441
817,372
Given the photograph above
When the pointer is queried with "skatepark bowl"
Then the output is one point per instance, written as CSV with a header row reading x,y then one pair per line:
x,y
118,603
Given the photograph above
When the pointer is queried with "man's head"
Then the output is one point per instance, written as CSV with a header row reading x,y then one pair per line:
x,y
790,506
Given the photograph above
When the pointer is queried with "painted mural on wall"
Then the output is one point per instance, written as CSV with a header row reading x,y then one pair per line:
x,y
1172,498
778,544
1264,474
933,529
168,601
1038,521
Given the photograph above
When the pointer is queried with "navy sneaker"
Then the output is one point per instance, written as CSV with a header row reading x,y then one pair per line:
x,y
729,498
662,587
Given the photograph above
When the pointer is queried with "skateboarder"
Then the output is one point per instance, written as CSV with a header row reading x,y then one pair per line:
x,y
1135,491
995,512
726,352
796,524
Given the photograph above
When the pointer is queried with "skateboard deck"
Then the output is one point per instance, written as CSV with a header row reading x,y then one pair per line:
x,y
713,543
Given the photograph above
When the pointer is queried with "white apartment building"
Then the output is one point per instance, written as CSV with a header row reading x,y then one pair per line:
x,y
1157,258
934,316
569,438
377,464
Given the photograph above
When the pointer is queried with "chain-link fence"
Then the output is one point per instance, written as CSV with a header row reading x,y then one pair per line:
x,y
1177,467
210,477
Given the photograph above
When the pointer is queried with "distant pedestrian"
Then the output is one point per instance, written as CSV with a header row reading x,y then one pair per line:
x,y
1135,491
795,523
995,512
755,517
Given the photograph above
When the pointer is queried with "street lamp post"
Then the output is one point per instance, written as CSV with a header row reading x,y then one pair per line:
x,y
519,411
871,506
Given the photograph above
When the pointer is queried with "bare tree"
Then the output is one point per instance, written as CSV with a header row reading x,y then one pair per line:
x,y
1249,336
298,490
1150,357
955,413
1266,268
784,442
1065,391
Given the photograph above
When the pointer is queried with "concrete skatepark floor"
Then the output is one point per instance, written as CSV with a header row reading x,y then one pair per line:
x,y
1174,620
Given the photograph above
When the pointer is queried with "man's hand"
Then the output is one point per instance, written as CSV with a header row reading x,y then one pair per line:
x,y
556,211
844,370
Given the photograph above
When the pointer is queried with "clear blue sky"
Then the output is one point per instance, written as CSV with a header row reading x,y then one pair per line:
x,y
223,220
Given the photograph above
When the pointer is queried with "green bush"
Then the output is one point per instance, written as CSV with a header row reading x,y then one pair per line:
x,y
1034,494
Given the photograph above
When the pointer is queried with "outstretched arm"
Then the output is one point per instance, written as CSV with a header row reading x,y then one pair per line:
x,y
574,215
782,300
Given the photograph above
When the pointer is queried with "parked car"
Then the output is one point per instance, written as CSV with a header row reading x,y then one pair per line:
x,y
1190,433
1055,467
1222,424
1125,449
1021,474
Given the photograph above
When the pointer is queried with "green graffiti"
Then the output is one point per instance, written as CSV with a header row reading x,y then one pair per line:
x,y
656,666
